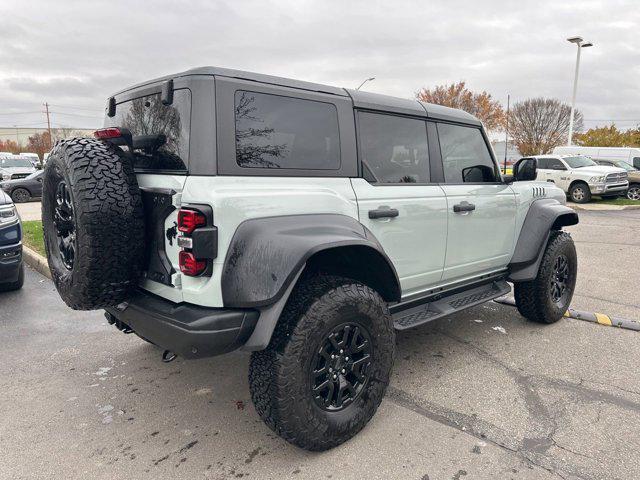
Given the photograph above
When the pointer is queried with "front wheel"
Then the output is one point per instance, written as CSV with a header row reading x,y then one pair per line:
x,y
634,192
580,193
20,195
327,368
546,298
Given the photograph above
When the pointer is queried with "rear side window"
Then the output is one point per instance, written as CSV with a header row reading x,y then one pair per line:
x,y
274,131
393,149
465,155
160,133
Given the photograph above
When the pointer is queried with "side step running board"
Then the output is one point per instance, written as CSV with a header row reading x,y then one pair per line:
x,y
412,317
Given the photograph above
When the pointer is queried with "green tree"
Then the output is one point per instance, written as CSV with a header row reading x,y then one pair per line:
x,y
609,136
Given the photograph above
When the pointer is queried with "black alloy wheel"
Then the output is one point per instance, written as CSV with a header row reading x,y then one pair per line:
x,y
340,368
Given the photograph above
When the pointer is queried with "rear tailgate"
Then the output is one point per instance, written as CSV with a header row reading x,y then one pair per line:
x,y
161,196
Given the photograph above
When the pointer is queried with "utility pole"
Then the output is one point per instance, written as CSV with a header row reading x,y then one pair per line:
x,y
46,106
506,135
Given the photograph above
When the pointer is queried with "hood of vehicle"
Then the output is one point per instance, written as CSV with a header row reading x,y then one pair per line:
x,y
4,198
598,170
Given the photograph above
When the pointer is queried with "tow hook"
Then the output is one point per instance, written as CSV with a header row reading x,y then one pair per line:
x,y
168,356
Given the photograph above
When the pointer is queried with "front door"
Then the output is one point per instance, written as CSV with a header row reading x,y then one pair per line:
x,y
397,202
481,208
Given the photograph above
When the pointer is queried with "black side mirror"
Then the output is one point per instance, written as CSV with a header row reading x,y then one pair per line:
x,y
525,169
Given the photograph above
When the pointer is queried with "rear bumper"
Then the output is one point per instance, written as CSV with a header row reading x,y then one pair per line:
x,y
185,329
10,261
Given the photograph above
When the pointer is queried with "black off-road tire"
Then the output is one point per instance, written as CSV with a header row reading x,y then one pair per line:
x,y
108,220
580,187
534,298
279,377
17,285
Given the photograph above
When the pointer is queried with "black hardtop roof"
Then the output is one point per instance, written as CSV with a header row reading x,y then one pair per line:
x,y
366,100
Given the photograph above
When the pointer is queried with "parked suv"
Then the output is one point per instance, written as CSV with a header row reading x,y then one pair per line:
x,y
221,209
633,193
11,266
24,189
14,167
580,177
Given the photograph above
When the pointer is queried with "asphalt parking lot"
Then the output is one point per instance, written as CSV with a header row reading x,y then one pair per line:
x,y
483,395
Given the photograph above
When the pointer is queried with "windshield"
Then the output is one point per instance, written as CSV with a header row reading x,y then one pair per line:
x,y
579,161
15,162
627,166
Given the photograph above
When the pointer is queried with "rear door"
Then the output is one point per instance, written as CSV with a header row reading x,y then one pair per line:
x,y
161,145
396,199
481,208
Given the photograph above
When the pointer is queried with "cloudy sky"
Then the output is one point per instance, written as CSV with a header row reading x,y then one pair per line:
x,y
73,54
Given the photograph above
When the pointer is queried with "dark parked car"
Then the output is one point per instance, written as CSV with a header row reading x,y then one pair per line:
x,y
11,266
24,189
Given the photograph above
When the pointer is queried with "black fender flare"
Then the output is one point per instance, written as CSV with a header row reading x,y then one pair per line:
x,y
544,216
267,254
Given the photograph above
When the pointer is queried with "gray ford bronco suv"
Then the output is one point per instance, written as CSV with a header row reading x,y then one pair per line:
x,y
220,210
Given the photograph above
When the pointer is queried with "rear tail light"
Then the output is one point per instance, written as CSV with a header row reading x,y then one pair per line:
x,y
190,265
189,220
106,133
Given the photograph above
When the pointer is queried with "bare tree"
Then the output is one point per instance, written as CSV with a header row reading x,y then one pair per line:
x,y
537,125
457,95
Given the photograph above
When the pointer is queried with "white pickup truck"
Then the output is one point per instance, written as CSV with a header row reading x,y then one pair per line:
x,y
580,177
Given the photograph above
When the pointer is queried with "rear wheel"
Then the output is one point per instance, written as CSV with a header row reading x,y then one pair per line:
x,y
326,370
20,195
580,193
546,298
634,192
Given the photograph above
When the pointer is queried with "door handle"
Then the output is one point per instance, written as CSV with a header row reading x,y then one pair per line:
x,y
464,207
383,212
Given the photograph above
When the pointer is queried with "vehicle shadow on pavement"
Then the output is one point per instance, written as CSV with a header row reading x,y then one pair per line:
x,y
483,392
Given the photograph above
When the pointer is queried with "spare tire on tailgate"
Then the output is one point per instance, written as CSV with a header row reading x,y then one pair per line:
x,y
93,223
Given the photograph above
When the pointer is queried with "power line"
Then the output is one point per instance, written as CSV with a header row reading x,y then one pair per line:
x,y
76,114
77,108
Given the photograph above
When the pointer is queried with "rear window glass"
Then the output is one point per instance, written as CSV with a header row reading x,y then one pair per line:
x,y
273,131
160,132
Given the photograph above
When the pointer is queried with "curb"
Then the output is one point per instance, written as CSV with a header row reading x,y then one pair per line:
x,y
599,318
617,208
36,261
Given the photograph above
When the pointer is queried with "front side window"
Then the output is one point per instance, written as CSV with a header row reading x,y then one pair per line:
x,y
543,163
393,149
579,161
273,131
160,133
556,164
465,155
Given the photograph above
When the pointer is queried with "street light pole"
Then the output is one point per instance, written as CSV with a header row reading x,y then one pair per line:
x,y
580,44
365,81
